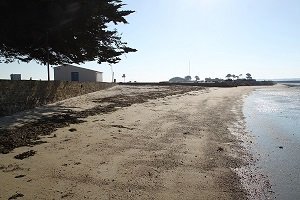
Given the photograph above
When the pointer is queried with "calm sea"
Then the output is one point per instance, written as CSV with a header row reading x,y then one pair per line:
x,y
273,118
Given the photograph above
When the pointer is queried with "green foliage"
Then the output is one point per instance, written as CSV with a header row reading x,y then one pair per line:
x,y
74,31
248,76
176,80
228,76
188,78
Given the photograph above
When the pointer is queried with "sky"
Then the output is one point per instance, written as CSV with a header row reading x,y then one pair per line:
x,y
207,38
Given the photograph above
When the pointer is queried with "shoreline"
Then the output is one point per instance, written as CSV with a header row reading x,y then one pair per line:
x,y
153,149
271,117
253,179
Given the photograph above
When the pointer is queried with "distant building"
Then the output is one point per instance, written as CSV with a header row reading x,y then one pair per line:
x,y
15,77
215,80
74,73
177,80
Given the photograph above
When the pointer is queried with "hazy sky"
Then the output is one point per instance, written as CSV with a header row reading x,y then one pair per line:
x,y
218,37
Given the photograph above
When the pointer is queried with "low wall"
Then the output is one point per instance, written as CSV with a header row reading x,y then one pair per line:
x,y
16,96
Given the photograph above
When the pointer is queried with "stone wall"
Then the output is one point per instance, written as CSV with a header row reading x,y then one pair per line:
x,y
16,96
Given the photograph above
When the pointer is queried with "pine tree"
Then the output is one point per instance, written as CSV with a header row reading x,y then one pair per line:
x,y
61,31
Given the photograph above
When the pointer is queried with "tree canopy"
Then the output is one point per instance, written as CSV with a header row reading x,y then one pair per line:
x,y
176,80
228,76
248,76
71,31
188,78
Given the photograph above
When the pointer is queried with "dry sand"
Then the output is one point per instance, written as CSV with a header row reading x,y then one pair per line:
x,y
176,147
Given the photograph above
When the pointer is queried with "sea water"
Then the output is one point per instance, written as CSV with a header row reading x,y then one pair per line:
x,y
273,118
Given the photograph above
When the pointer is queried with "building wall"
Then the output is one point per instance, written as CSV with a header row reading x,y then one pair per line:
x,y
63,73
99,77
16,96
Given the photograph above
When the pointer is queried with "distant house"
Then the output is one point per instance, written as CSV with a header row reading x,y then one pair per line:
x,y
15,77
74,73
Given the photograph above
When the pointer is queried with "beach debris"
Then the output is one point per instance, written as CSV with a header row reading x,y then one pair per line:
x,y
220,149
280,147
20,176
72,129
25,155
37,142
54,136
67,195
121,126
26,135
15,196
29,133
10,168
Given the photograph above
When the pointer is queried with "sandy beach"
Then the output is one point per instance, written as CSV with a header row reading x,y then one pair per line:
x,y
153,143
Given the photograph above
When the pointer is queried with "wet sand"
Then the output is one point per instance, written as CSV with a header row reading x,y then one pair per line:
x,y
169,143
272,115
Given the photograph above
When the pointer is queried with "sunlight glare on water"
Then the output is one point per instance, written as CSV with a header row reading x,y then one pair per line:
x,y
273,117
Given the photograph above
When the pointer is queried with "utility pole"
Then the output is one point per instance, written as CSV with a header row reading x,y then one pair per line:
x,y
112,73
189,68
48,67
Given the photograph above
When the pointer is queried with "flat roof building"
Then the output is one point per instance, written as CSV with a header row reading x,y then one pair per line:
x,y
68,72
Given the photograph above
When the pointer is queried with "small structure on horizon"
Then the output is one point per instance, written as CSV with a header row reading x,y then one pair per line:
x,y
124,76
177,80
15,77
214,80
67,72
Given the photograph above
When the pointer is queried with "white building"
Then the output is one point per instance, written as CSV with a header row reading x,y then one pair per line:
x,y
74,73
